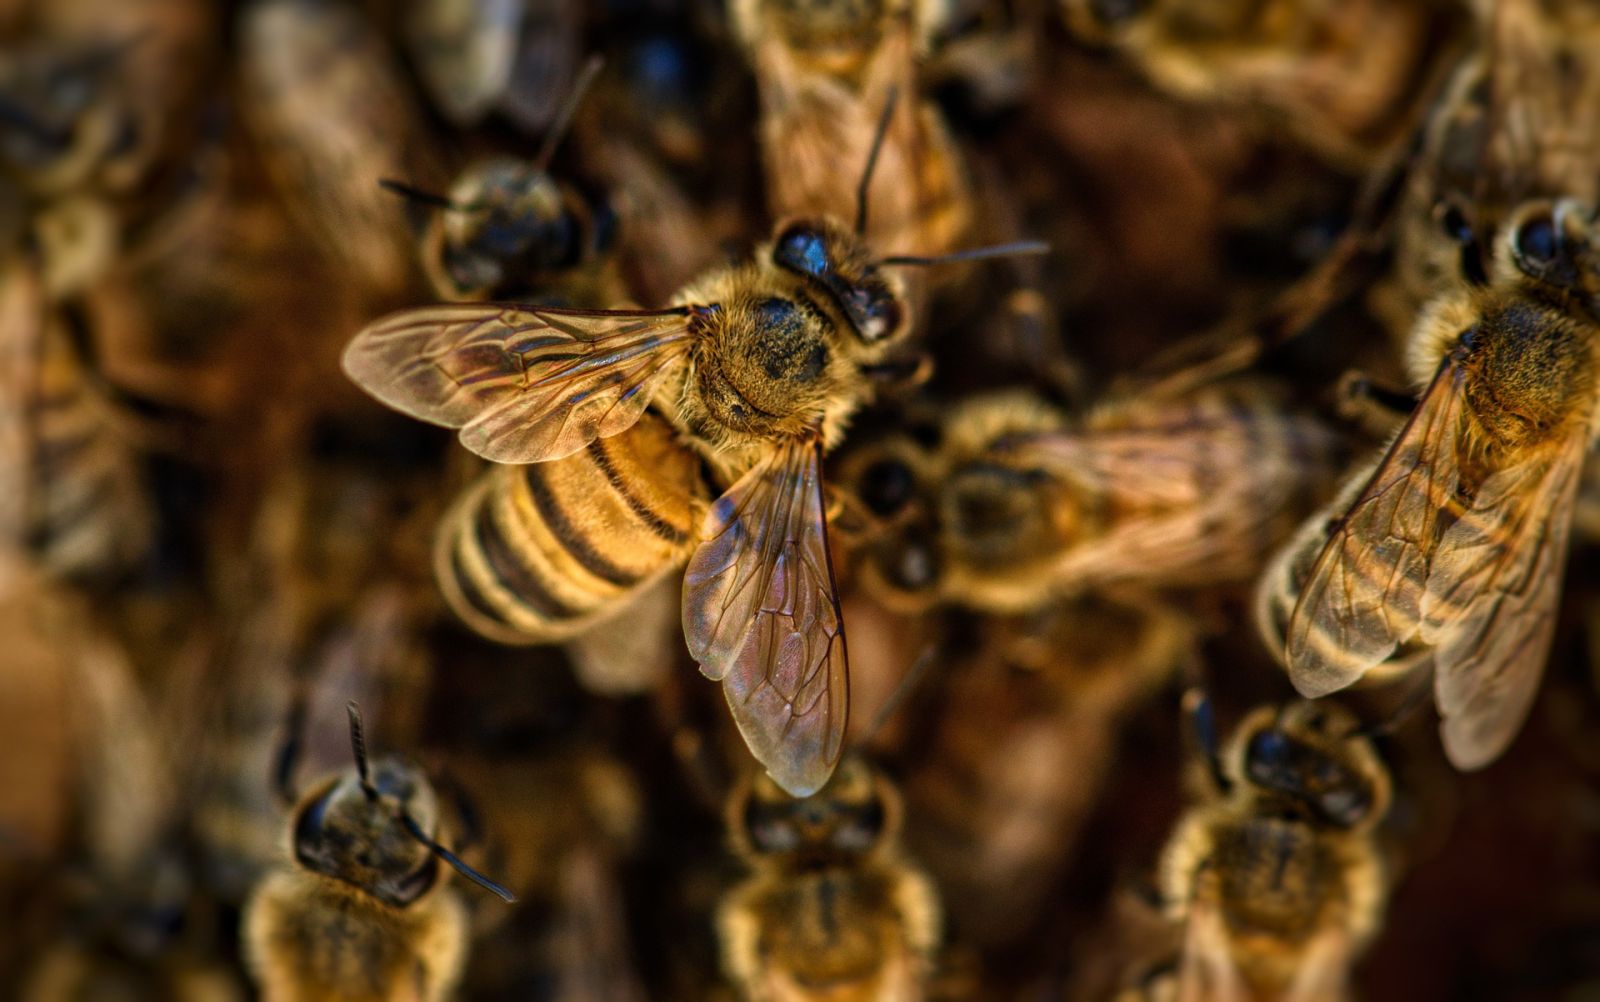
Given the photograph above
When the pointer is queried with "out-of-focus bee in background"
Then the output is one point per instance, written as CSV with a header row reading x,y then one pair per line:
x,y
74,495
1348,79
1511,126
362,908
516,57
825,72
1016,505
508,229
1277,874
1447,554
1025,734
332,116
831,908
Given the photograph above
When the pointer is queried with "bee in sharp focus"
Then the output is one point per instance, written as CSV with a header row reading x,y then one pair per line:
x,y
757,370
509,229
365,910
1447,554
824,70
831,909
1277,874
1348,78
1016,506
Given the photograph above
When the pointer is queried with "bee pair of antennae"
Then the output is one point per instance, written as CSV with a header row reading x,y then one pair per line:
x,y
1019,248
358,745
547,150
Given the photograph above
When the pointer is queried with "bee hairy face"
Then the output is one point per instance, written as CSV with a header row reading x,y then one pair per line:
x,y
340,833
852,815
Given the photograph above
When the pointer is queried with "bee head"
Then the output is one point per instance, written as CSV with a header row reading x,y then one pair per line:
x,y
835,264
1313,756
891,480
855,813
350,829
503,220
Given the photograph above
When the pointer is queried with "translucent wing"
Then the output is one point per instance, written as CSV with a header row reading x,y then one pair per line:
x,y
1192,502
761,614
1492,597
1363,598
523,384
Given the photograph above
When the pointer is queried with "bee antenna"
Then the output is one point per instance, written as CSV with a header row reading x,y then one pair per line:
x,y
1021,248
415,194
563,120
1201,731
455,861
907,684
872,158
358,744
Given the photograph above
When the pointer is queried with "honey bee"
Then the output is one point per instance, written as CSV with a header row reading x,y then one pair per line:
x,y
1277,874
508,229
1511,125
1348,79
365,911
1027,731
1447,553
327,105
831,909
74,494
481,56
823,71
1016,506
752,375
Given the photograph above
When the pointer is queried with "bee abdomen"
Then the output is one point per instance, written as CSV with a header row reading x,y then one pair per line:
x,y
534,554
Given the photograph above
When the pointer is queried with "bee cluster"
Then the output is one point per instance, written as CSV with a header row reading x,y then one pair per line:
x,y
446,446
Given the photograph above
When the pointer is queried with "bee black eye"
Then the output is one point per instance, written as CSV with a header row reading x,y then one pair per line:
x,y
1266,752
1536,242
800,248
886,486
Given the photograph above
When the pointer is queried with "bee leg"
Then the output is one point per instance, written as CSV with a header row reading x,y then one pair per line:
x,y
1364,400
288,756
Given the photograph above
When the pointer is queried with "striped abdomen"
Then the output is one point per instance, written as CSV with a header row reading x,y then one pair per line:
x,y
534,554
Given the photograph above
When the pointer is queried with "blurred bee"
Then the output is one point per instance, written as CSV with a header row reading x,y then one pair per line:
x,y
1349,79
831,908
1026,735
510,230
365,911
1512,125
1015,506
1447,553
758,369
824,71
1276,874
480,56
72,486
329,109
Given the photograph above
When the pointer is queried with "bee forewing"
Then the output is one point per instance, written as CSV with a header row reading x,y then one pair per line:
x,y
761,614
523,384
1363,598
1492,600
1207,972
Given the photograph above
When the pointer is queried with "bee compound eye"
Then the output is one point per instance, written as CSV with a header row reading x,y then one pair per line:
x,y
1536,241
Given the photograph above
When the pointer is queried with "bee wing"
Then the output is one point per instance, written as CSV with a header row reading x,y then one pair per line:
x,y
1492,597
524,384
1363,597
761,614
1199,522
1324,968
